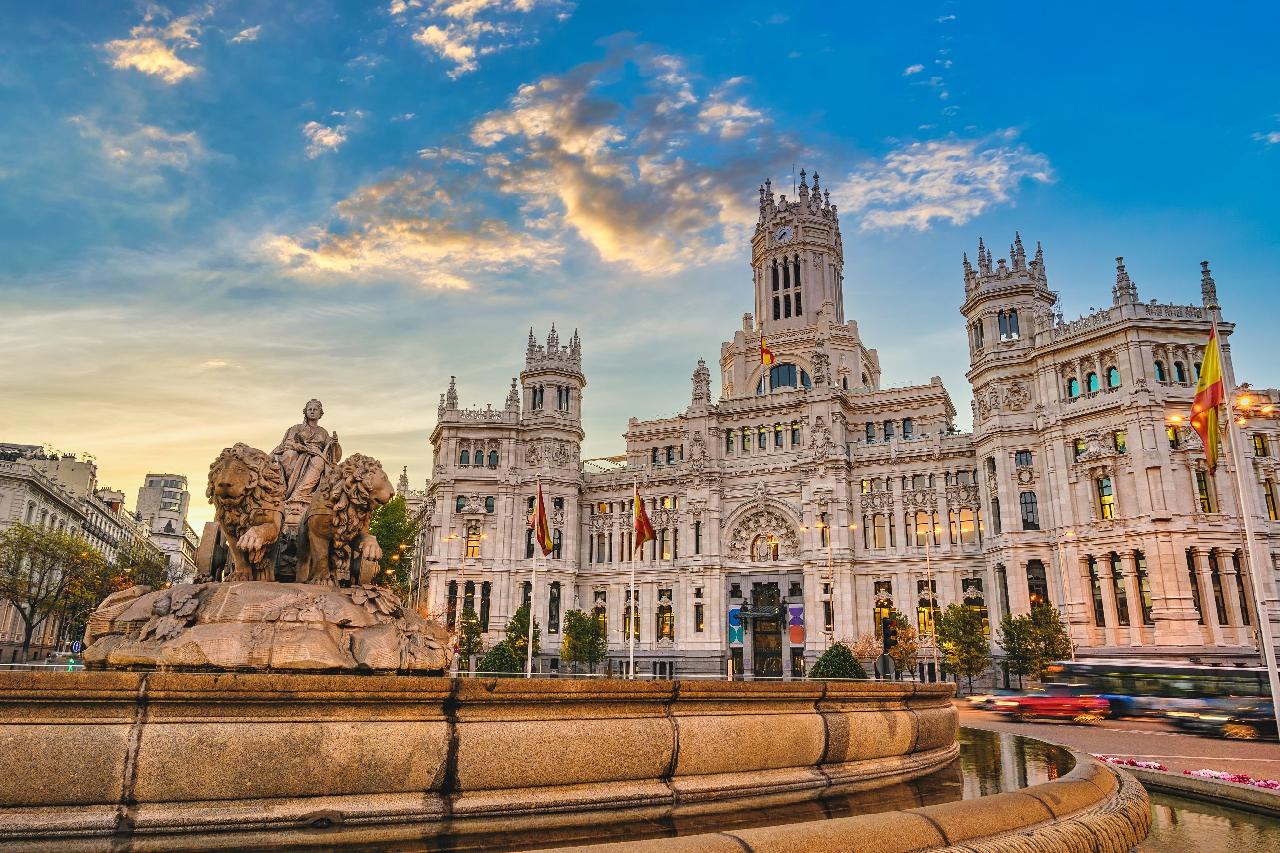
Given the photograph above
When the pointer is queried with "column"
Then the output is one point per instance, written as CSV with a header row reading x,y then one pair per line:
x,y
1208,603
1231,591
1129,568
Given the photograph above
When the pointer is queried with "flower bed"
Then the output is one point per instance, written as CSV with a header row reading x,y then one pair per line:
x,y
1238,778
1131,762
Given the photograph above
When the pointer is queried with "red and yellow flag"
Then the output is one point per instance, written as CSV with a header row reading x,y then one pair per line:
x,y
643,527
1210,392
766,354
538,522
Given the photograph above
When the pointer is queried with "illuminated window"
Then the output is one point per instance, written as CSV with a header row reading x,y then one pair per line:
x,y
880,531
795,433
666,617
1269,493
1175,438
926,605
1144,588
1260,445
1204,495
473,540
1037,584
1119,440
1106,499
883,607
1117,586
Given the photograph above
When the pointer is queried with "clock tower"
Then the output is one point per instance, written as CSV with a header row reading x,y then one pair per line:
x,y
797,258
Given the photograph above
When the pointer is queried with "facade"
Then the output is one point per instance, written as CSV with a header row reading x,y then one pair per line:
x,y
163,501
809,500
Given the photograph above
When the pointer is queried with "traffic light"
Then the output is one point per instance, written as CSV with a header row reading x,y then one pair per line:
x,y
889,631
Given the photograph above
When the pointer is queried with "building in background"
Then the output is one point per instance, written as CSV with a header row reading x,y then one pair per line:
x,y
163,501
810,499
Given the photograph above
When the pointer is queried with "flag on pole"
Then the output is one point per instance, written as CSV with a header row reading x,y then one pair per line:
x,y
1210,393
766,354
643,527
538,522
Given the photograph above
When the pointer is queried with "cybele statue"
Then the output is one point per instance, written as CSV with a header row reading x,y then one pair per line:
x,y
289,583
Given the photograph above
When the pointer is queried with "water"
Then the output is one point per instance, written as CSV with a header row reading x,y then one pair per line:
x,y
1179,825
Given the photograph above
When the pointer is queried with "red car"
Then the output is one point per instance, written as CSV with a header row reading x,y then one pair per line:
x,y
1058,701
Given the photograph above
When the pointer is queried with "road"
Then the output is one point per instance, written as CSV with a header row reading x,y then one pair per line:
x,y
1145,740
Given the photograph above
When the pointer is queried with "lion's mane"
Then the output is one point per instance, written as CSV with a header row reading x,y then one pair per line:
x,y
264,491
347,489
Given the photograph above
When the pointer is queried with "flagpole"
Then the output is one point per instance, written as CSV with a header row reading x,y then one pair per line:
x,y
1244,500
631,609
533,582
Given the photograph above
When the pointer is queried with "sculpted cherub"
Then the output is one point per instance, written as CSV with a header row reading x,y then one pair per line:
x,y
247,490
334,538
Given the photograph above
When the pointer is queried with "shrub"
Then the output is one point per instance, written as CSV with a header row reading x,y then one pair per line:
x,y
501,658
837,662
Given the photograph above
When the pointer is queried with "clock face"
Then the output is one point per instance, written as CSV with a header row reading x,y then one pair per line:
x,y
783,234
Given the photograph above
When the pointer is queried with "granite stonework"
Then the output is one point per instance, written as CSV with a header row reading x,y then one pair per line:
x,y
263,626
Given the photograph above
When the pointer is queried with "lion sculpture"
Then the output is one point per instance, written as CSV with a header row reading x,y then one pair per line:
x,y
247,491
333,536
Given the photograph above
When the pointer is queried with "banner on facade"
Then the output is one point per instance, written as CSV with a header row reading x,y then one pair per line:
x,y
795,624
735,626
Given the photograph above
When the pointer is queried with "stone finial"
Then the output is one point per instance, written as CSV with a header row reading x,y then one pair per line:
x,y
815,182
513,397
451,396
1125,290
553,341
575,345
1208,287
1018,255
701,385
403,486
1039,259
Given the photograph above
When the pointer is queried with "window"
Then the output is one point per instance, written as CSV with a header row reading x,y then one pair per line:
x,y
979,341
1195,584
1078,447
451,611
555,544
888,430
1240,582
762,437
1160,375
1037,584
1117,586
1118,440
1215,580
1091,382
600,612
995,516
631,616
1260,445
728,441
671,455
795,433
879,531
528,543
926,605
777,305
1008,325
1196,368
1030,512
1175,439
538,394
464,458
1179,373
1106,500
963,530
746,439
473,540
489,505
1144,588
778,434
1269,494
975,599
1095,587
871,433
653,456
469,598
553,608
1113,377
459,503
697,537
699,619
1204,495
908,428
1022,458
493,459
1073,387
883,608
486,590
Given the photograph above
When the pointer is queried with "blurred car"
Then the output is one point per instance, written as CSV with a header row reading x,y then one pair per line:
x,y
1240,719
986,701
1059,702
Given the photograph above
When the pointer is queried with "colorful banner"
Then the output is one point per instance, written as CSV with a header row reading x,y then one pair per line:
x,y
795,624
735,626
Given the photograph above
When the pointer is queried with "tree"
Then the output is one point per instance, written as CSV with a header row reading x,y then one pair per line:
x,y
582,641
1049,637
1016,639
501,659
40,569
518,633
397,533
137,563
962,642
470,639
837,662
906,650
867,647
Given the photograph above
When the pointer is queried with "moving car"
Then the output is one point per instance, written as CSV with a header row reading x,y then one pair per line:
x,y
1240,719
986,701
1059,702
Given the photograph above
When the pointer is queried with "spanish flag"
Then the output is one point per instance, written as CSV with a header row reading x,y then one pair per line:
x,y
1210,392
766,354
538,522
643,527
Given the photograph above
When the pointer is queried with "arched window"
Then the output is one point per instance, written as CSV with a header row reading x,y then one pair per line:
x,y
1003,325
1013,325
473,540
1113,377
1073,387
786,278
1196,366
1030,511
1179,373
489,504
31,512
775,282
1160,377
883,607
493,459
464,458
1091,382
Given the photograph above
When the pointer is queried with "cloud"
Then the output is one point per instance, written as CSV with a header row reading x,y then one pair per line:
x,y
415,228
1270,138
951,180
145,148
152,45
945,18
460,32
322,138
250,34
912,69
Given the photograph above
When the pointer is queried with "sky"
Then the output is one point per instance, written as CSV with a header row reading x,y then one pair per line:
x,y
211,212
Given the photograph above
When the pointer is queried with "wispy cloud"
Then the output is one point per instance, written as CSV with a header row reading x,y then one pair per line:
x,y
912,69
249,34
144,148
460,32
322,138
152,45
1268,137
951,180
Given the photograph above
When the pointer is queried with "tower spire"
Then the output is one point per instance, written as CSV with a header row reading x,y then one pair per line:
x,y
1208,287
1125,290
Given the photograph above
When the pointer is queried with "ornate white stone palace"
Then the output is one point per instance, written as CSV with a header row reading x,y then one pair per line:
x,y
808,500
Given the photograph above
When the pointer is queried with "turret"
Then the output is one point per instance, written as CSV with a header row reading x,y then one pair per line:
x,y
1002,299
552,378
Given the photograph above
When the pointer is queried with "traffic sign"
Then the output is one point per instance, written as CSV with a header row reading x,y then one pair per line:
x,y
76,646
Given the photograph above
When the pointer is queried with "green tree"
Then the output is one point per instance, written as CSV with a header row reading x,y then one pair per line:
x,y
42,571
962,643
837,662
137,563
1049,637
582,641
518,633
501,659
906,651
470,636
1018,641
397,533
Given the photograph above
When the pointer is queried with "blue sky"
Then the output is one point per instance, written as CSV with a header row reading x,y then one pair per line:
x,y
214,211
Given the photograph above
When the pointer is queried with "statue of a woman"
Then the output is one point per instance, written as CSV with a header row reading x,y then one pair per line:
x,y
305,453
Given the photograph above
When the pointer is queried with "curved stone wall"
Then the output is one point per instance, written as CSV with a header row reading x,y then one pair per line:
x,y
136,759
